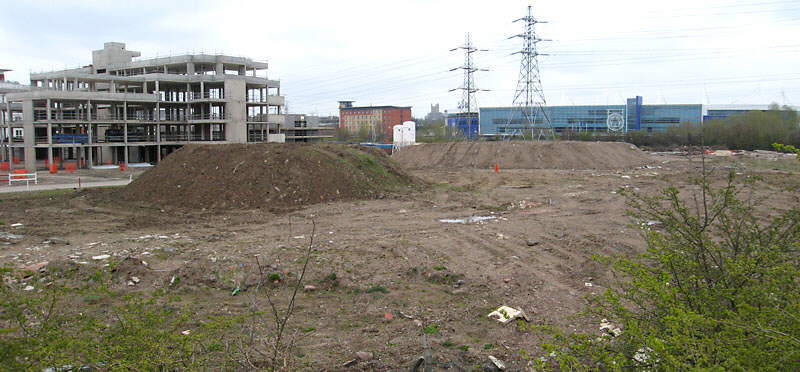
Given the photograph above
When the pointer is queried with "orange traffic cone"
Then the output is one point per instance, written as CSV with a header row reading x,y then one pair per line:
x,y
497,168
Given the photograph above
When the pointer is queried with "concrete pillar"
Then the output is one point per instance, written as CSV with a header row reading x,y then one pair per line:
x,y
89,133
113,87
165,69
125,130
28,136
48,111
242,70
220,69
157,89
144,87
190,68
9,134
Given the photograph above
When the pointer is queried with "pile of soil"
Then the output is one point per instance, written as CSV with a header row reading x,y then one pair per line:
x,y
522,155
274,176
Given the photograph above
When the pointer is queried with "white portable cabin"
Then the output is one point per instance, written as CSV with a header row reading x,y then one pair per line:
x,y
404,135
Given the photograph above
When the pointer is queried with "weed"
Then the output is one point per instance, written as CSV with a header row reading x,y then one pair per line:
x,y
439,268
431,329
448,344
488,346
377,288
464,347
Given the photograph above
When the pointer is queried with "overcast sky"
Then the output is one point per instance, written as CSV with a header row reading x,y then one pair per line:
x,y
397,52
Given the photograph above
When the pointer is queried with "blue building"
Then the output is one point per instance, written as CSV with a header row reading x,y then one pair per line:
x,y
634,115
464,124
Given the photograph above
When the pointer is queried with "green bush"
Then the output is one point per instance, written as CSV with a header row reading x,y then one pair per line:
x,y
717,290
754,130
41,330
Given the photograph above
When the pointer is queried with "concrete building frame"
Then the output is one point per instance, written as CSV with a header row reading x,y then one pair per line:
x,y
120,111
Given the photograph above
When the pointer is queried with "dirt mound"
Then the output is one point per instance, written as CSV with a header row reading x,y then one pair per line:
x,y
274,176
522,155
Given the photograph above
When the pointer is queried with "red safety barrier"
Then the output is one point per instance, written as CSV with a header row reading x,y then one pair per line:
x,y
70,167
53,168
123,166
19,171
5,166
16,160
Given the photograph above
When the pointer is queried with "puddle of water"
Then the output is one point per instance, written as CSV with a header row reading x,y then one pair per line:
x,y
474,219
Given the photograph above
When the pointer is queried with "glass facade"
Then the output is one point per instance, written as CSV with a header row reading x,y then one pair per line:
x,y
651,118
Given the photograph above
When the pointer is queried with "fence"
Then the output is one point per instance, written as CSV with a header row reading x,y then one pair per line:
x,y
19,176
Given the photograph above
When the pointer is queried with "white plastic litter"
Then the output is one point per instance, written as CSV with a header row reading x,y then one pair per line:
x,y
505,314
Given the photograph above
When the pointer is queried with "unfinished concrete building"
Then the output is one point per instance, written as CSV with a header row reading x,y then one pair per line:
x,y
119,110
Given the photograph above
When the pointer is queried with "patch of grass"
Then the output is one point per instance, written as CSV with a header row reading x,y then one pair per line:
x,y
431,329
439,268
309,330
464,347
274,277
377,288
488,346
448,344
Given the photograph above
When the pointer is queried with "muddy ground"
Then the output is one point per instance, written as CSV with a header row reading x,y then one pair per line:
x,y
535,255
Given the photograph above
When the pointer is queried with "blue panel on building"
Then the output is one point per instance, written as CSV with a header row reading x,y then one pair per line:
x,y
464,124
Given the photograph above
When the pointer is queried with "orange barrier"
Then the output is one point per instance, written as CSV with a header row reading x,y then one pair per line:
x,y
123,166
53,168
19,171
5,166
70,167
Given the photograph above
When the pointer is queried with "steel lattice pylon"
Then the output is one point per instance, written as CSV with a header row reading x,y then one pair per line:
x,y
529,96
468,103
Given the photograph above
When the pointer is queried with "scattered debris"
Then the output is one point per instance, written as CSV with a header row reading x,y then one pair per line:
x,y
135,279
497,363
643,355
388,316
609,328
36,267
474,219
524,204
186,332
28,288
16,225
350,363
505,314
532,243
101,257
364,355
309,288
172,281
10,238
587,284
404,315
418,322
58,241
236,291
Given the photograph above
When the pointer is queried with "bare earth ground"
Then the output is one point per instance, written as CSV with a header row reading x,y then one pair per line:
x,y
450,275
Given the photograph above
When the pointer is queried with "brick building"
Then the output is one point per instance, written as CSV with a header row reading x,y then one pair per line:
x,y
374,120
